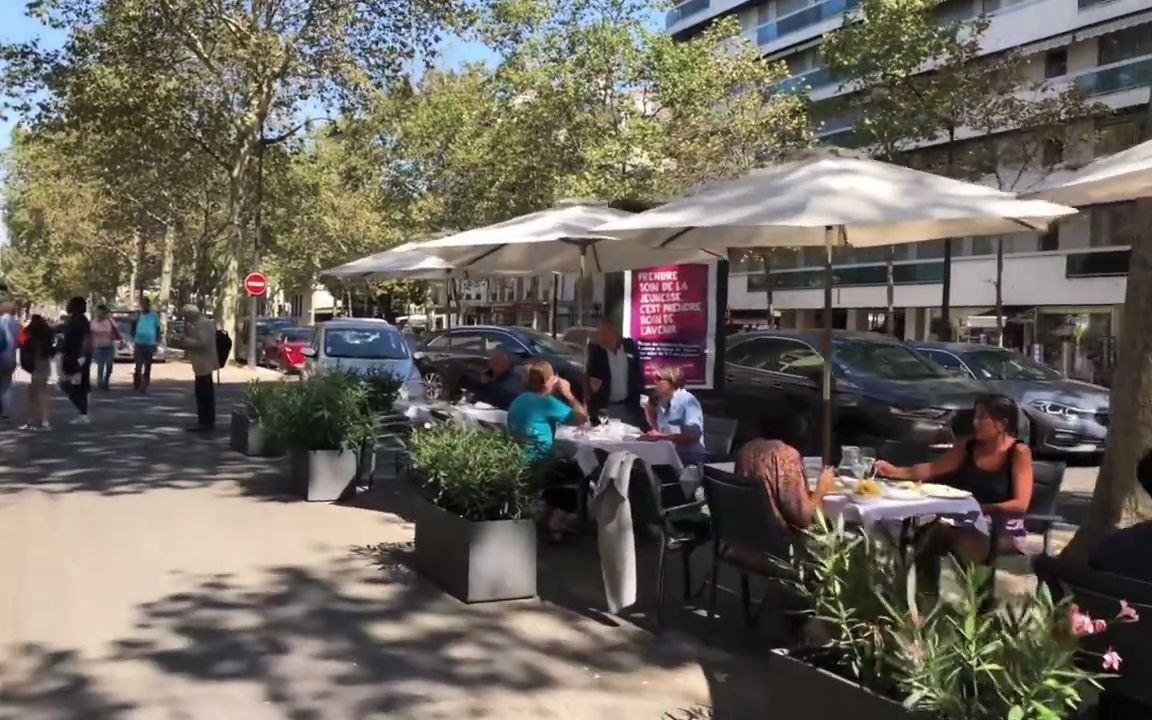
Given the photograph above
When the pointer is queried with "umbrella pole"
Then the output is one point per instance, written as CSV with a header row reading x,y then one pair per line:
x,y
580,285
554,316
449,291
826,350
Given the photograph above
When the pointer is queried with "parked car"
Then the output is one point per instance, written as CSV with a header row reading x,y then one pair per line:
x,y
579,337
460,354
285,349
882,390
363,345
266,328
126,348
1067,416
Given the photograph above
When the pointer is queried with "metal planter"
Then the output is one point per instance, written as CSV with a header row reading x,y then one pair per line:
x,y
797,688
476,561
248,437
323,475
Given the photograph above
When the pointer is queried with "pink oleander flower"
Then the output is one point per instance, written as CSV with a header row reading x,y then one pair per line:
x,y
1112,660
1081,623
1099,626
1127,613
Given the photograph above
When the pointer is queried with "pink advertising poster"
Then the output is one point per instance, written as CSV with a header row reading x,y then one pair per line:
x,y
670,312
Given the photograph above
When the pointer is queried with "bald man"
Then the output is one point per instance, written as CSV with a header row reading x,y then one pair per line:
x,y
499,384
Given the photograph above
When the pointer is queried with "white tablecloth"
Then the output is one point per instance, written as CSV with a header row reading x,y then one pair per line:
x,y
884,511
423,412
652,452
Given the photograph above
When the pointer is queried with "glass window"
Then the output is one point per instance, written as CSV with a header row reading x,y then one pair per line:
x,y
1118,134
1123,44
303,335
1056,63
787,7
1114,225
365,344
470,341
946,359
983,246
1097,264
954,12
754,353
1002,365
1050,240
796,358
884,360
542,344
763,13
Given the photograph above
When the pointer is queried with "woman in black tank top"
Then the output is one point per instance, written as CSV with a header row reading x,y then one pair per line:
x,y
995,467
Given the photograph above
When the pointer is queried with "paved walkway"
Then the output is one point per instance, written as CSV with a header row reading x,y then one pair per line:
x,y
146,574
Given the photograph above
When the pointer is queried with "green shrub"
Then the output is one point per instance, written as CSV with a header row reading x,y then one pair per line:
x,y
477,473
260,398
383,387
325,411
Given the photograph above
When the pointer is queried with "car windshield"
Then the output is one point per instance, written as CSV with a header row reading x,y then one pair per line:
x,y
365,344
1002,365
888,361
303,335
542,344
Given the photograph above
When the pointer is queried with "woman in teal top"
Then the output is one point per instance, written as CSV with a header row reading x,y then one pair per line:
x,y
532,417
546,402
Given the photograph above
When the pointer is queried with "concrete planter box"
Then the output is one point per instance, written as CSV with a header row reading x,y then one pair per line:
x,y
797,688
476,561
248,437
322,475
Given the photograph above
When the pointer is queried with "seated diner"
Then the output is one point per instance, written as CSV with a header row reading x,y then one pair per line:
x,y
500,383
779,467
995,466
675,415
548,401
1125,551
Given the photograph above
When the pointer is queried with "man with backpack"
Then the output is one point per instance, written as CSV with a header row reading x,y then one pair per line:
x,y
200,345
9,337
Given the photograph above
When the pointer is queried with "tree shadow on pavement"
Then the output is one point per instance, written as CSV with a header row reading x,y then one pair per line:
x,y
42,684
368,638
136,443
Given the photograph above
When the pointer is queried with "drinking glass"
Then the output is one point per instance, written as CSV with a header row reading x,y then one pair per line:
x,y
867,460
850,460
813,467
603,417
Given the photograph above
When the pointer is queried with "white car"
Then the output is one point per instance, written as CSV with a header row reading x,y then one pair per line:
x,y
126,349
364,345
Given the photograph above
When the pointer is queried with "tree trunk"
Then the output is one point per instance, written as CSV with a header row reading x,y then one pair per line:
x,y
946,285
230,293
890,313
1000,291
134,267
766,265
164,299
1130,426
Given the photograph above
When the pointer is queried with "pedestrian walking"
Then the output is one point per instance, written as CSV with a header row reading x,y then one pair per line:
x,y
9,335
36,358
105,335
146,336
200,347
76,358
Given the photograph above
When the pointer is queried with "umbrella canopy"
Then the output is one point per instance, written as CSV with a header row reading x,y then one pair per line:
x,y
793,203
403,262
1127,175
554,240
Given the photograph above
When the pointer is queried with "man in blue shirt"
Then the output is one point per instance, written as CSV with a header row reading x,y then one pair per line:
x,y
145,338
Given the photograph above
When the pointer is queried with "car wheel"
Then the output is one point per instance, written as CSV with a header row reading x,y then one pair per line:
x,y
433,385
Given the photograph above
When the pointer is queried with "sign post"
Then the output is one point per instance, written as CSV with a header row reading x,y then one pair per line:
x,y
256,285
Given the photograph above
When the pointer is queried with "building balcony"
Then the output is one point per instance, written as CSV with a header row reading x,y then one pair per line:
x,y
685,10
1132,74
770,32
810,80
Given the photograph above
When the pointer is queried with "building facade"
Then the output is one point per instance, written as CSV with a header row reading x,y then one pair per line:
x,y
1062,290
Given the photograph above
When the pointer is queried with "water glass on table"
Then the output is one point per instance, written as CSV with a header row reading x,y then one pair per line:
x,y
813,467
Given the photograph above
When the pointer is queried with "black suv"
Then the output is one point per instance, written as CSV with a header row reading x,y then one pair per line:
x,y
882,390
450,358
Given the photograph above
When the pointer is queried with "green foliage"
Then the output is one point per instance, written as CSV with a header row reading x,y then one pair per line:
x,y
382,388
476,473
955,658
324,411
261,399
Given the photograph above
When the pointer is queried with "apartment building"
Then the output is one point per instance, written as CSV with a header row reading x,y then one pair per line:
x,y
1061,288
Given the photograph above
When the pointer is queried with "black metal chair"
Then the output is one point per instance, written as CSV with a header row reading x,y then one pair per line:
x,y
743,525
1047,478
680,524
719,434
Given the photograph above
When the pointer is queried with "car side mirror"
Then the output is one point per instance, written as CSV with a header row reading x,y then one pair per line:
x,y
308,352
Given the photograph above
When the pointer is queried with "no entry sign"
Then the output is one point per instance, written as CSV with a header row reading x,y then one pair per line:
x,y
255,284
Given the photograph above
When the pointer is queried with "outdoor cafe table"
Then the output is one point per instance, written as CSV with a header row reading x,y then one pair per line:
x,y
421,412
873,514
617,436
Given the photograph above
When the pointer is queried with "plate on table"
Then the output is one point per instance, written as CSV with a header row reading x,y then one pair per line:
x,y
905,491
869,491
945,492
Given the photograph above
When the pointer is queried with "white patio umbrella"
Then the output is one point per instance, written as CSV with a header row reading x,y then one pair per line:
x,y
1127,175
828,198
555,240
403,262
